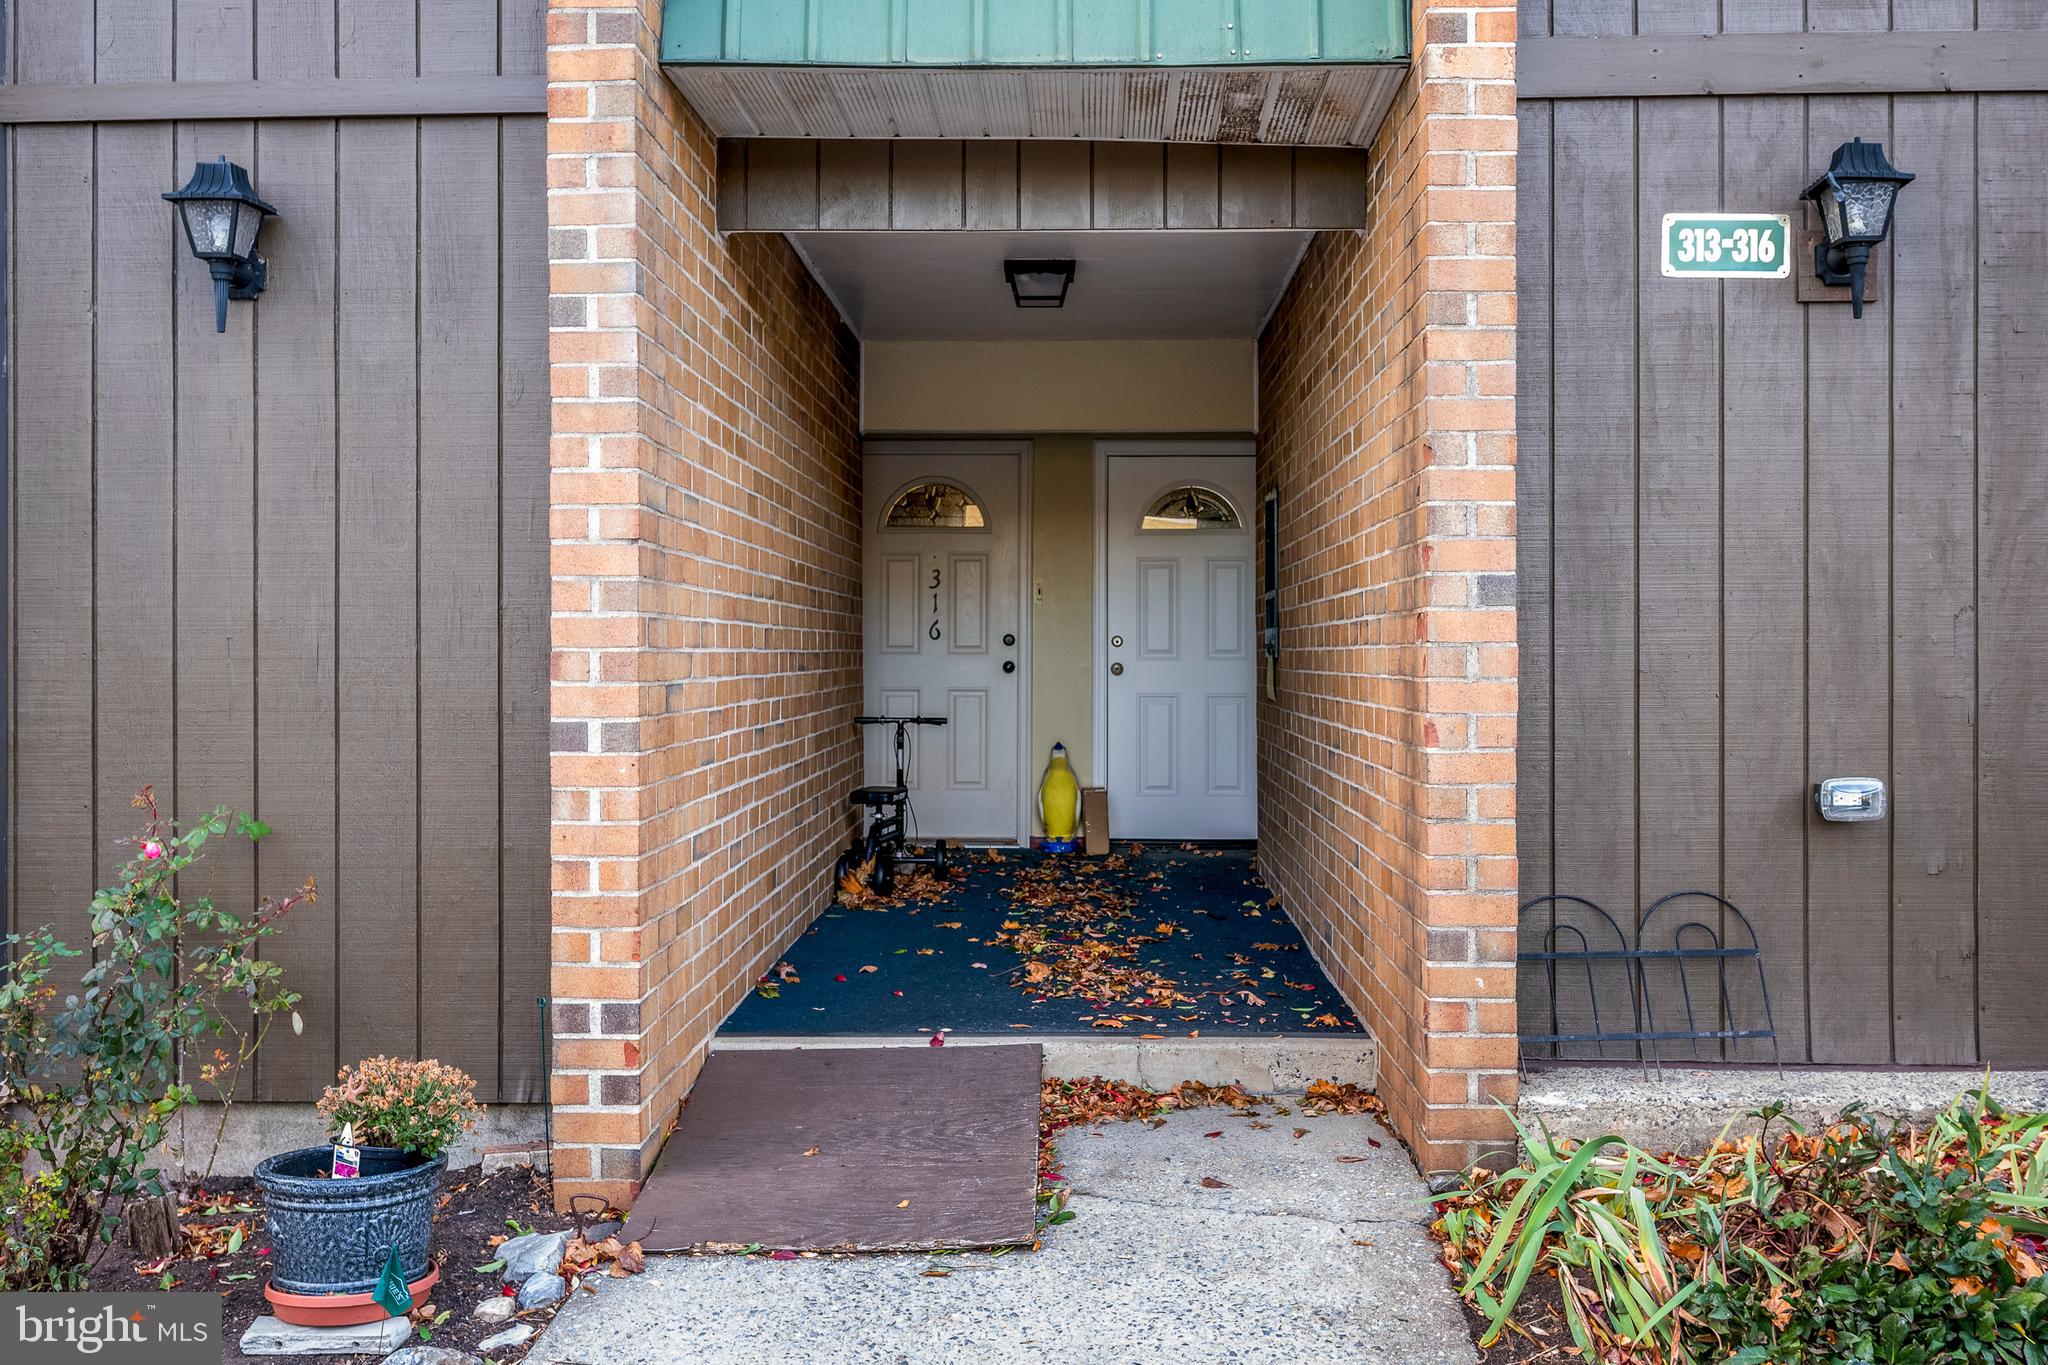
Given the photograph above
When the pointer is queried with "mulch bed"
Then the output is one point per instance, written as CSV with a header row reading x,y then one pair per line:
x,y
473,1209
1540,1318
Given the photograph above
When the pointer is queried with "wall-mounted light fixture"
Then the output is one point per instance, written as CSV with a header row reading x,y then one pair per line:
x,y
1039,284
222,216
1855,199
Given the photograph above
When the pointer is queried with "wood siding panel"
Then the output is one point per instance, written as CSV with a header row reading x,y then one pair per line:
x,y
50,454
1535,467
458,668
1934,609
224,546
2012,565
297,456
1763,589
525,912
1872,568
1848,588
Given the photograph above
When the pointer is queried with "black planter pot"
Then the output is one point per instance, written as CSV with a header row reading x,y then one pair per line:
x,y
333,1236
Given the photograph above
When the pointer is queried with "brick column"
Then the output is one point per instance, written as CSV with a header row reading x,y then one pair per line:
x,y
1388,760
706,595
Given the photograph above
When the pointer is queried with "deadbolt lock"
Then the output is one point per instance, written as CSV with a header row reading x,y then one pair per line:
x,y
1116,642
1116,670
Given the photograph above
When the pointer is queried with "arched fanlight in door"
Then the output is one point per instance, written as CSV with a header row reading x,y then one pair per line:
x,y
935,503
1190,507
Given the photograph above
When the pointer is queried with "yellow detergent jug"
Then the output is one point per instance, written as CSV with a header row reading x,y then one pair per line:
x,y
1059,802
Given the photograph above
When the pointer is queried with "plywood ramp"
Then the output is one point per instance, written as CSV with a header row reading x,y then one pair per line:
x,y
850,1149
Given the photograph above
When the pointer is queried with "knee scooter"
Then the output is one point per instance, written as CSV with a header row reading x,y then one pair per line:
x,y
882,846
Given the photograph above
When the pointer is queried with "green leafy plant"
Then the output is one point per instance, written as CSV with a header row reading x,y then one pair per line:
x,y
92,1074
1849,1244
421,1106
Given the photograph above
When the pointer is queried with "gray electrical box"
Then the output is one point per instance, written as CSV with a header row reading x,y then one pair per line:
x,y
1849,798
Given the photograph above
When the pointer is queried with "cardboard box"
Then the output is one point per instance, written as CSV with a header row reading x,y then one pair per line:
x,y
1095,820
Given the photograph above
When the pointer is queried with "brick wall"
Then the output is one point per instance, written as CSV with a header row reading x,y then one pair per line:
x,y
706,595
1386,765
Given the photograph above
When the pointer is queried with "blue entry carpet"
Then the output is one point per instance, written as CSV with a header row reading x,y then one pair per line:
x,y
1165,940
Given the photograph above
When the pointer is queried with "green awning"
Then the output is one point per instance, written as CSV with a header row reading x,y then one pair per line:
x,y
1288,72
970,33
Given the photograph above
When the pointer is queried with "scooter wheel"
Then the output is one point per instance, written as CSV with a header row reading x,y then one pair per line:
x,y
842,869
939,852
884,879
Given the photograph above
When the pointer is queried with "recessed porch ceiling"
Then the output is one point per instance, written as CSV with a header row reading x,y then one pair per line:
x,y
947,286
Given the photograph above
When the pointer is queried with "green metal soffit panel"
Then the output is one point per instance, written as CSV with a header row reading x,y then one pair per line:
x,y
1276,72
1057,33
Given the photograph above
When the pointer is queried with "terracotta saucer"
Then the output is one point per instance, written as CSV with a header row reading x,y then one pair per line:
x,y
341,1310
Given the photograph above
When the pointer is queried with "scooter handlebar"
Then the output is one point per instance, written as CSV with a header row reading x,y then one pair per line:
x,y
899,720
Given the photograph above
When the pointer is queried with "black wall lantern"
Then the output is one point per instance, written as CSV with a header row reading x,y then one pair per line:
x,y
1039,284
1855,199
222,216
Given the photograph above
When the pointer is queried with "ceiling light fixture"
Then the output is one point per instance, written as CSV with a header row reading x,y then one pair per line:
x,y
1039,284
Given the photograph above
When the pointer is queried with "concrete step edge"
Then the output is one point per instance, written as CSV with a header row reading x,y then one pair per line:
x,y
1279,1064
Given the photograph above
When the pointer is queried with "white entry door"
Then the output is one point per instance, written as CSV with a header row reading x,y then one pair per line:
x,y
1179,647
945,636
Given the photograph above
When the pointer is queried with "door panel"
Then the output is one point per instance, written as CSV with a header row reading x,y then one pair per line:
x,y
1179,714
942,598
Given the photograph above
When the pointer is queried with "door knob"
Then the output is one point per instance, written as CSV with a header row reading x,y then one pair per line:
x,y
1116,670
1009,665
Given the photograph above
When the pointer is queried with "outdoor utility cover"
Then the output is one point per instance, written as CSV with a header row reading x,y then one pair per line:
x,y
1282,72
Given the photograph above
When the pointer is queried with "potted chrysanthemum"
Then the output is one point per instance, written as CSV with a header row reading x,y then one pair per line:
x,y
334,1234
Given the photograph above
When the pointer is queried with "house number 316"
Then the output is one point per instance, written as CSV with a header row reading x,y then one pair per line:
x,y
934,632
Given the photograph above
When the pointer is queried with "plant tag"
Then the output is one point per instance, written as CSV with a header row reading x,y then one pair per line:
x,y
348,1158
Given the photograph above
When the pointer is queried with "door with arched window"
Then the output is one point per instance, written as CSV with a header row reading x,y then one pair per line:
x,y
1178,649
945,630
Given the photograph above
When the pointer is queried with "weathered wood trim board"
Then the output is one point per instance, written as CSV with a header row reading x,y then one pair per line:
x,y
1675,65
353,97
792,184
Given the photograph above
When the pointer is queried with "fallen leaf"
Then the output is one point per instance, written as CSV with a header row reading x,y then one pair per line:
x,y
1210,1182
934,1274
1301,1132
1350,1160
871,969
1217,1133
903,1204
1965,1286
811,1151
938,1040
1361,1241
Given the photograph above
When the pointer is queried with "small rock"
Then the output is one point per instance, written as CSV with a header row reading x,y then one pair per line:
x,y
537,1253
430,1355
540,1291
269,1336
515,1335
497,1308
505,1158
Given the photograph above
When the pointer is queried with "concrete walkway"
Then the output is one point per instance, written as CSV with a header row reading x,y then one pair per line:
x,y
1154,1267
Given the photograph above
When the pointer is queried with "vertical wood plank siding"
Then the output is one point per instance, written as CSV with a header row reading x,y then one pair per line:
x,y
299,568
1762,544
